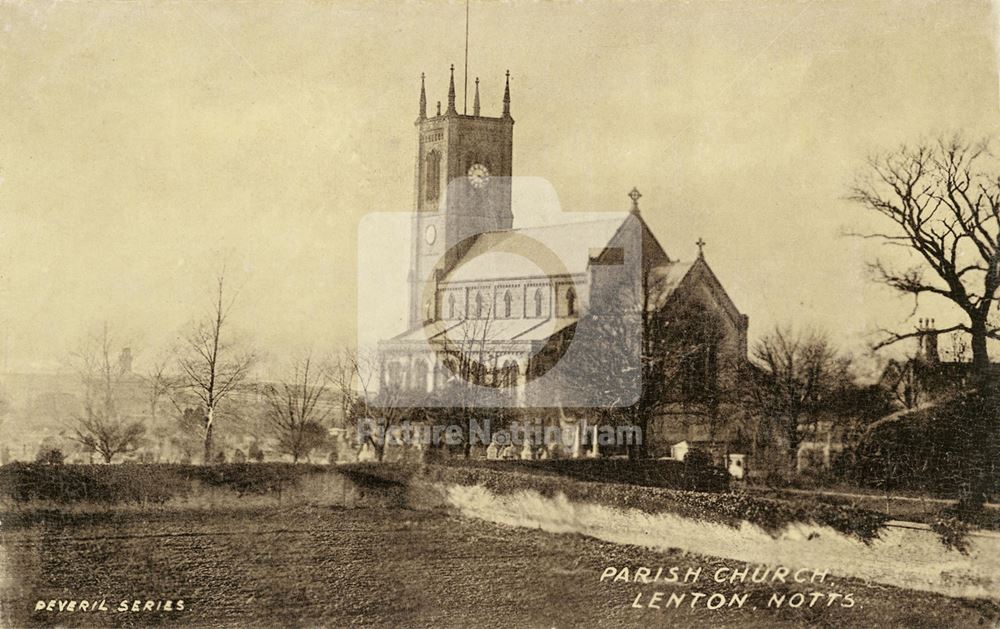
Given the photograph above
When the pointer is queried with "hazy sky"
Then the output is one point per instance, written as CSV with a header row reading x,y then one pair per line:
x,y
143,144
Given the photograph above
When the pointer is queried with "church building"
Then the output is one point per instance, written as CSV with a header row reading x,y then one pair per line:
x,y
505,318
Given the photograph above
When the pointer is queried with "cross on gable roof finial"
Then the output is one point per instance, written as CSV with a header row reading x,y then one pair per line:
x,y
701,247
635,195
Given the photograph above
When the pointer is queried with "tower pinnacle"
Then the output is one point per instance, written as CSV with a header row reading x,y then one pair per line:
x,y
423,98
506,97
475,103
451,92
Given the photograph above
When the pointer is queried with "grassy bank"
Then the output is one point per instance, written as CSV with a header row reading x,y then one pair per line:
x,y
728,508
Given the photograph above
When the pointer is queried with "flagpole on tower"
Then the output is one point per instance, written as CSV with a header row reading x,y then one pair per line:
x,y
465,94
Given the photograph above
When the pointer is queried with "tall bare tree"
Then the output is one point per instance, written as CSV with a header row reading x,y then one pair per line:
x,y
942,203
801,373
298,409
476,383
103,427
212,363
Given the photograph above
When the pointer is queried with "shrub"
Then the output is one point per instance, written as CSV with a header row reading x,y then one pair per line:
x,y
953,532
50,456
696,458
255,453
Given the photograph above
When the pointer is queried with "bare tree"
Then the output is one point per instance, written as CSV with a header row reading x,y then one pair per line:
x,y
298,409
212,364
644,341
942,202
474,385
800,375
631,367
355,375
160,383
102,427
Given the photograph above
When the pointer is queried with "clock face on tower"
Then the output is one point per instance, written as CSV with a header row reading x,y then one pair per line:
x,y
479,175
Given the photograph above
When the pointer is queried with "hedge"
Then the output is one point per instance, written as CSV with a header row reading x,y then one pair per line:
x,y
139,483
645,472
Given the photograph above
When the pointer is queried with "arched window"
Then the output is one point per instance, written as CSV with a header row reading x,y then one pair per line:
x,y
432,166
507,301
395,379
698,338
538,302
477,373
420,373
571,301
508,378
699,371
479,305
451,306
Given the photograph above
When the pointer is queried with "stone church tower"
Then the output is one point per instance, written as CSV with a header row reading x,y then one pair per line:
x,y
462,189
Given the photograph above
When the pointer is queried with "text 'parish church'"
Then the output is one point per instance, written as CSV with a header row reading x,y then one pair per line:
x,y
518,319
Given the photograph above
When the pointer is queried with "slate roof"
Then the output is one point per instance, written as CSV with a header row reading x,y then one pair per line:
x,y
520,252
519,329
666,278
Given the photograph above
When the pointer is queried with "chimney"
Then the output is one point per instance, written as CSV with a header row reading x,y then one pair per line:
x,y
928,342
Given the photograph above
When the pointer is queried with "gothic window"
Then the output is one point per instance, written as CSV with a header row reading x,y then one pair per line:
x,y
571,301
538,302
395,379
420,373
451,306
699,372
432,168
508,377
479,305
507,301
441,375
697,337
477,372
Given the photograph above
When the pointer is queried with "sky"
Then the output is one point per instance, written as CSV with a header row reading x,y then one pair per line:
x,y
145,145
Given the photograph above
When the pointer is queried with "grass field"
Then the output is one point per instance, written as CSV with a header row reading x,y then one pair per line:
x,y
389,567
